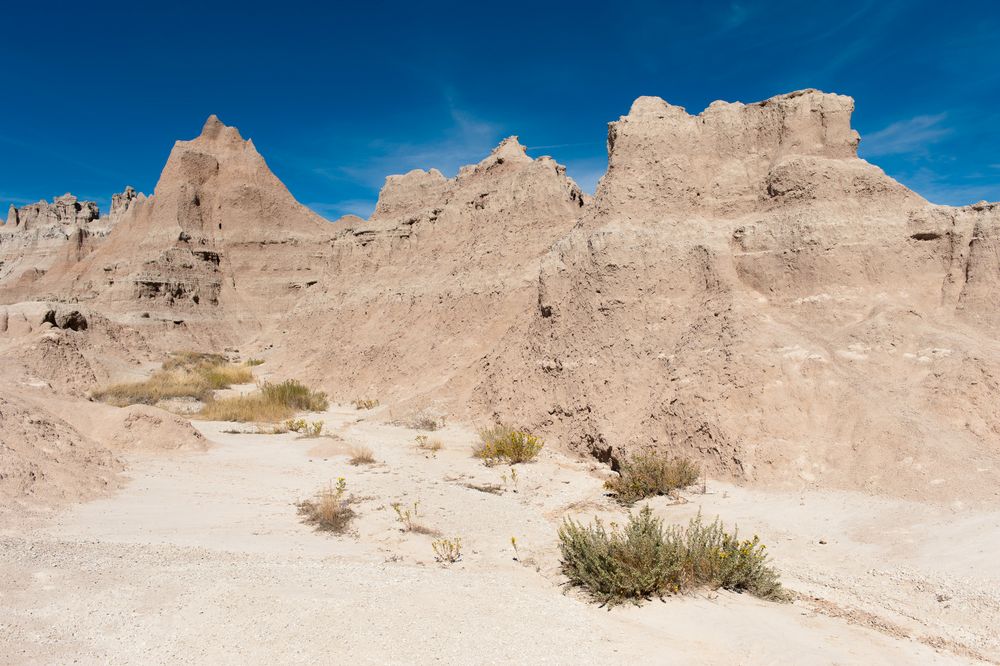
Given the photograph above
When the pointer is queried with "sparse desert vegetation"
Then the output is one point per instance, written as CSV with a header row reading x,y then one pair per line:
x,y
270,403
649,474
407,518
447,551
426,419
329,510
365,403
362,455
644,560
503,444
303,427
192,375
425,443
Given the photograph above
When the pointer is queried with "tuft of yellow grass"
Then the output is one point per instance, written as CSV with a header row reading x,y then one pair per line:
x,y
183,375
362,455
425,443
329,510
271,403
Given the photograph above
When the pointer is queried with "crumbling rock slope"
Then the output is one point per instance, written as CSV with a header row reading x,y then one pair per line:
x,y
742,289
38,236
220,247
745,290
415,296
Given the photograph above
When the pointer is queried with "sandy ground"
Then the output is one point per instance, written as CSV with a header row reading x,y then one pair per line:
x,y
202,558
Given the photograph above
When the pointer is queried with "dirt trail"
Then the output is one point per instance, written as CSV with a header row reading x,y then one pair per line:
x,y
201,558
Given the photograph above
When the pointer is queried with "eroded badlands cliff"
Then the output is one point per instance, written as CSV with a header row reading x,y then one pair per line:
x,y
742,288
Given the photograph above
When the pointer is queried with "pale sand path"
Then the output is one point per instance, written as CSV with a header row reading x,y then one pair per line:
x,y
201,558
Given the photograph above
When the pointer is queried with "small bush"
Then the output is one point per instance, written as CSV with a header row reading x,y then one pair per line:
x,y
362,455
364,403
646,475
408,519
330,510
273,402
644,560
447,551
184,375
501,443
296,395
301,426
425,443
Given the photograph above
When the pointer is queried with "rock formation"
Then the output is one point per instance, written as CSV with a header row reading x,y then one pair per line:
x,y
41,235
121,202
414,297
746,291
66,210
742,289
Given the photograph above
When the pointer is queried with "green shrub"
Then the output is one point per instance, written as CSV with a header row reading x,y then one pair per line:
x,y
643,560
501,443
646,475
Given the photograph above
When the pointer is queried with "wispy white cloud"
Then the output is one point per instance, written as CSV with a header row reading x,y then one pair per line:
x,y
913,135
938,189
466,140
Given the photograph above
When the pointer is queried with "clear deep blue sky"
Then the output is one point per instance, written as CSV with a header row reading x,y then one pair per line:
x,y
336,98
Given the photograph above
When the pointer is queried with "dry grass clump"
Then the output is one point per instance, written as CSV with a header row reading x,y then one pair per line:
x,y
447,551
643,560
425,443
273,402
364,403
184,375
503,444
649,474
362,455
329,510
426,419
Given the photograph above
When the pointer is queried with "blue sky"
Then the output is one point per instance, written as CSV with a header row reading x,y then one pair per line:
x,y
336,98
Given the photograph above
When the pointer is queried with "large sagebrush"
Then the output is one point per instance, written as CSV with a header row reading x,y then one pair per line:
x,y
643,559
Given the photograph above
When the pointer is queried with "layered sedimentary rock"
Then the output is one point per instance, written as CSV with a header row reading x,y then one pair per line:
x,y
219,245
746,291
742,289
121,202
416,295
39,236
